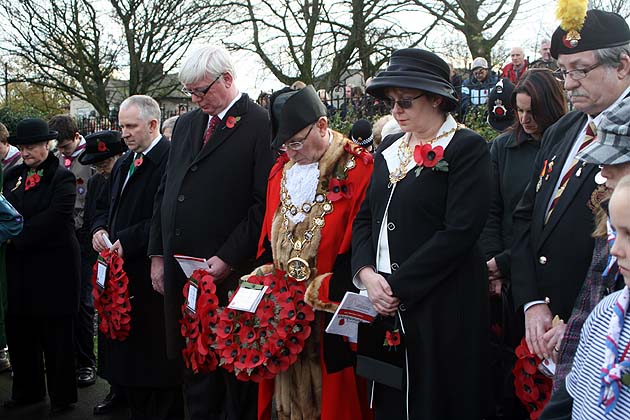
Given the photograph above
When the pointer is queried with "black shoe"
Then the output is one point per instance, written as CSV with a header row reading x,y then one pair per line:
x,y
86,376
109,403
60,408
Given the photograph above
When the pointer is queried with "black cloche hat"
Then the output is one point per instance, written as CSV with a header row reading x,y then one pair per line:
x,y
100,146
413,68
291,111
32,130
601,30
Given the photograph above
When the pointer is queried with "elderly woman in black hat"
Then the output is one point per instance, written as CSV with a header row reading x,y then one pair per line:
x,y
42,273
415,246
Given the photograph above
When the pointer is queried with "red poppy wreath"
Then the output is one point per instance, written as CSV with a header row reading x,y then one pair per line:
x,y
112,301
196,323
257,346
532,388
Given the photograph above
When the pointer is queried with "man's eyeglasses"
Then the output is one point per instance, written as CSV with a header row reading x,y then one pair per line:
x,y
298,144
199,92
577,74
404,103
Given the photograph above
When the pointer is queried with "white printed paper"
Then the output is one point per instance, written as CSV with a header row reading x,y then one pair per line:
x,y
247,298
190,264
107,241
354,308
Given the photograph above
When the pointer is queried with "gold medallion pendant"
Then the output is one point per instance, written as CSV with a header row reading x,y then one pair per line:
x,y
298,269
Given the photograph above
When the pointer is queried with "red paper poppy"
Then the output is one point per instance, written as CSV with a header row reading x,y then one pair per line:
x,y
230,122
295,344
29,183
254,358
393,338
247,335
338,189
102,147
138,162
427,155
80,181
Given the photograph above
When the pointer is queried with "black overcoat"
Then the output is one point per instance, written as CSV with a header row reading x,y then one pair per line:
x,y
438,272
212,200
512,163
550,260
43,261
140,360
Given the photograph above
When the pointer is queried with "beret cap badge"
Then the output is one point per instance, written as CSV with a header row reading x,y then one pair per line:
x,y
571,14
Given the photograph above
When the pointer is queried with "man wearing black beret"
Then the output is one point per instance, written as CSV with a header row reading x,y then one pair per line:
x,y
554,220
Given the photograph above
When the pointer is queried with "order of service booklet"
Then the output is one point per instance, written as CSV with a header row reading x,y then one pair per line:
x,y
353,309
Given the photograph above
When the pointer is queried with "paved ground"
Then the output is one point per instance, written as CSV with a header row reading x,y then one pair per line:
x,y
88,398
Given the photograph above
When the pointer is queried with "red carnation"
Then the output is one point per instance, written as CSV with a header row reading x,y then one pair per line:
x,y
102,147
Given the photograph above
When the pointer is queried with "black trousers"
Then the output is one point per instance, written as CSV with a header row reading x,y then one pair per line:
x,y
41,340
84,321
220,396
155,403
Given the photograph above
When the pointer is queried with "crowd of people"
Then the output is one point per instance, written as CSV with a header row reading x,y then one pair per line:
x,y
470,255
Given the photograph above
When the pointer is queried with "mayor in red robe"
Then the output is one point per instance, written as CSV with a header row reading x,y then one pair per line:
x,y
314,191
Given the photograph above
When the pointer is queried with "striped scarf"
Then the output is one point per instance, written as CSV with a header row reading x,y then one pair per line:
x,y
613,369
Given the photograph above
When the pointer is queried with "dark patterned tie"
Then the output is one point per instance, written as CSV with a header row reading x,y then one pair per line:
x,y
214,122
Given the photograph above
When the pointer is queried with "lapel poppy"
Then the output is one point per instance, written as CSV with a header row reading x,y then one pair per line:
x,y
428,156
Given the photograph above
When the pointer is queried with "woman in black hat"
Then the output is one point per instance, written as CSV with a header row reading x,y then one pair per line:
x,y
538,101
415,246
42,273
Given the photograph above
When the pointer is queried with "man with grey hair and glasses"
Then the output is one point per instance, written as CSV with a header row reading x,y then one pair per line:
x,y
555,218
211,205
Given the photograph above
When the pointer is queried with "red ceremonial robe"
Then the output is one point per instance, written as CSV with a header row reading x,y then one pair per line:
x,y
343,395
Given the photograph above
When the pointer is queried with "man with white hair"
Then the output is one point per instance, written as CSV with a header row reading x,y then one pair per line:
x,y
211,205
517,67
138,365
